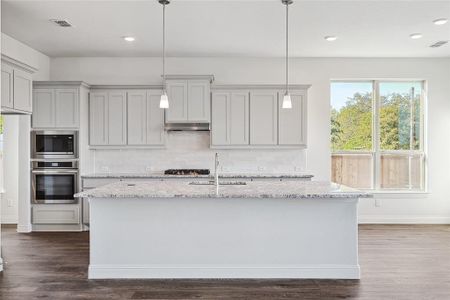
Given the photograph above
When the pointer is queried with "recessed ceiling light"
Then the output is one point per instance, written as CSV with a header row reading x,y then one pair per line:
x,y
415,36
129,38
441,21
330,38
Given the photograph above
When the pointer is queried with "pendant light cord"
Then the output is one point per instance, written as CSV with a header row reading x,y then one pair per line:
x,y
287,48
164,47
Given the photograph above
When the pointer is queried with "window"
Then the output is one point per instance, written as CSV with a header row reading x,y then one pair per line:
x,y
377,134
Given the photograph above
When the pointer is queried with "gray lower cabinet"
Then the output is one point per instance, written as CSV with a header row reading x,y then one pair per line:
x,y
17,89
108,118
145,118
56,214
56,107
263,118
230,118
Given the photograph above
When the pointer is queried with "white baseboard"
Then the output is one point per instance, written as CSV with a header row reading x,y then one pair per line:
x,y
400,219
24,228
221,272
9,219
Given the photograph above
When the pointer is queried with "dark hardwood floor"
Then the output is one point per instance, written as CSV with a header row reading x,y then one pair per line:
x,y
397,262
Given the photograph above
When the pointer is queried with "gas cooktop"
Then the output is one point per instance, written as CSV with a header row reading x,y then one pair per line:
x,y
187,172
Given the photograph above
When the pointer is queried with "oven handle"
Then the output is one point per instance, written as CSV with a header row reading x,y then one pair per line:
x,y
54,171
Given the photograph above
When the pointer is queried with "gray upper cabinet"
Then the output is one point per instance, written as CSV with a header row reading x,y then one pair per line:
x,y
7,86
126,118
67,108
43,108
230,118
252,117
98,105
189,99
292,122
137,115
55,107
117,118
23,90
17,89
263,118
145,118
177,91
155,119
198,101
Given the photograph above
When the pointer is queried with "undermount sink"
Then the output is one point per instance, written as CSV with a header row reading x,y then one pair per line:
x,y
220,183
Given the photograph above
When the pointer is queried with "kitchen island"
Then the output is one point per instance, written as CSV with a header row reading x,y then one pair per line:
x,y
173,229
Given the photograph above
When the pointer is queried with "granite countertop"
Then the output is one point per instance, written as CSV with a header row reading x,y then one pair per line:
x,y
221,175
182,189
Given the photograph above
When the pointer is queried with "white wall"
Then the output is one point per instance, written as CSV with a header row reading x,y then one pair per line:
x,y
27,55
9,205
432,207
16,203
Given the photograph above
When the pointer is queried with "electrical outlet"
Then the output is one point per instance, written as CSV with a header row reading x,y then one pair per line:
x,y
149,169
104,169
261,168
377,202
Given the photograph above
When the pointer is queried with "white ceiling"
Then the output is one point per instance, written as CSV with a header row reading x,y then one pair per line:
x,y
230,28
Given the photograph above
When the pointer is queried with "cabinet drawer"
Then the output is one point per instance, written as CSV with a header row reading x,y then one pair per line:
x,y
55,214
97,182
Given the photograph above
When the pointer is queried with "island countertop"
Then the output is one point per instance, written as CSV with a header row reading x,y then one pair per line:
x,y
178,189
160,175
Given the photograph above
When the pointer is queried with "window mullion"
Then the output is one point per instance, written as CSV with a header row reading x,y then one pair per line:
x,y
375,135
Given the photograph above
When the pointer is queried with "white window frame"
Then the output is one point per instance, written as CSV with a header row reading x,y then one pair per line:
x,y
376,152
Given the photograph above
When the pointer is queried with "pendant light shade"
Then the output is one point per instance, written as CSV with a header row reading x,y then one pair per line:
x,y
287,102
164,101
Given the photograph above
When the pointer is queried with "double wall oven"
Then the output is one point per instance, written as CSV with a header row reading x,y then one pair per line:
x,y
54,167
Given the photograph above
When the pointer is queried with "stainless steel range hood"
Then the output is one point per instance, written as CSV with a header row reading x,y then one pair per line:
x,y
187,127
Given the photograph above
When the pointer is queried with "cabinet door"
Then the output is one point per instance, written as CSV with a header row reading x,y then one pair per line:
x,y
137,115
263,117
43,108
117,118
7,86
155,119
239,118
292,122
98,131
23,89
219,118
66,108
177,91
56,214
198,101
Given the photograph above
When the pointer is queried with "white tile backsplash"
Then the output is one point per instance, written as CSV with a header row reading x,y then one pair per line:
x,y
191,150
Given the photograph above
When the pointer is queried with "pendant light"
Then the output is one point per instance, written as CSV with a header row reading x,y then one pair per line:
x,y
164,102
287,102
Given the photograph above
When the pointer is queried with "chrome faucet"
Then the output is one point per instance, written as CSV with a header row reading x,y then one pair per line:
x,y
216,172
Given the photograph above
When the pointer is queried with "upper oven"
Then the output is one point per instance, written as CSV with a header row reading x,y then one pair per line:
x,y
54,144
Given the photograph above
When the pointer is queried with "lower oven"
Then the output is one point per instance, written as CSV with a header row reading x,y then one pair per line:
x,y
54,182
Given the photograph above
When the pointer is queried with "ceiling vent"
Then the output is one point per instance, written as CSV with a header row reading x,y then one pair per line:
x,y
439,44
61,23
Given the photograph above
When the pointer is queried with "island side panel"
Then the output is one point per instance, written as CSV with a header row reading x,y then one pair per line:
x,y
223,238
